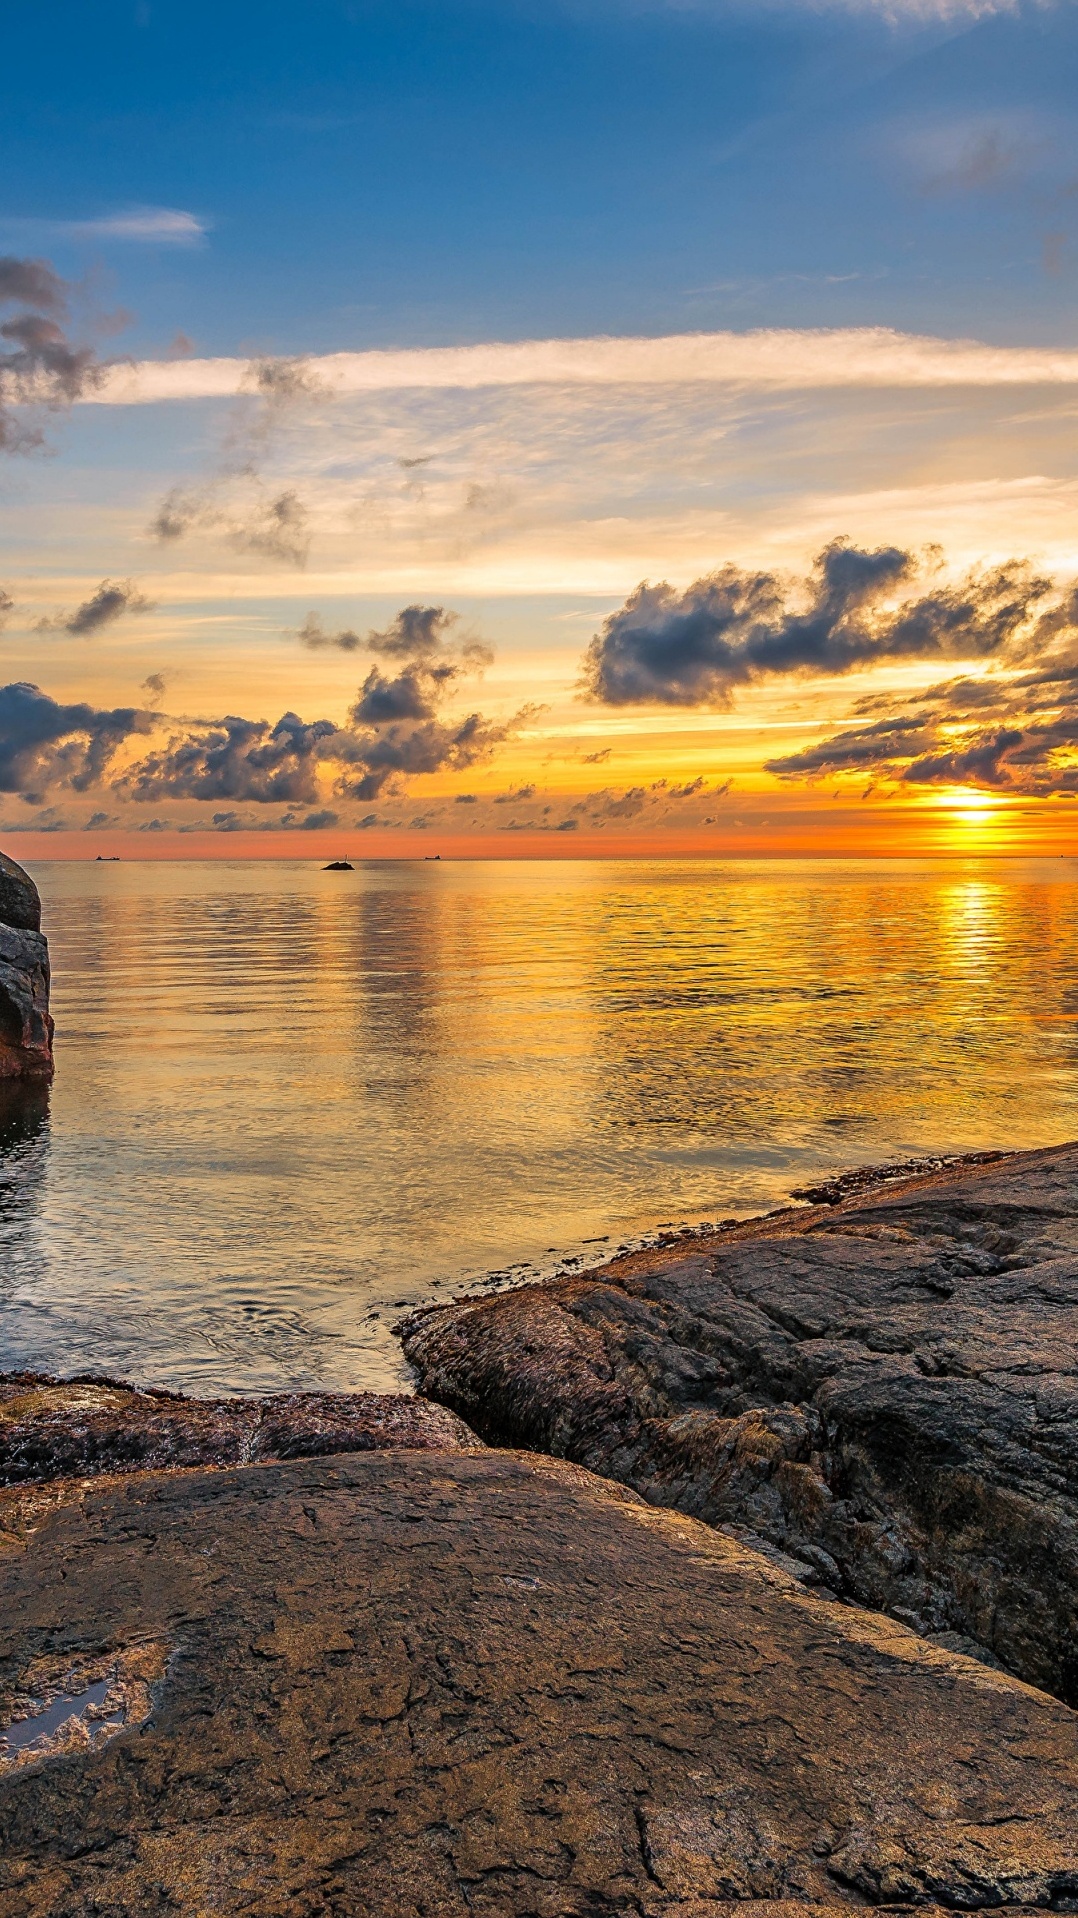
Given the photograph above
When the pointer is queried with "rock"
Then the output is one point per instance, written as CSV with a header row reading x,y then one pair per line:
x,y
485,1685
26,1028
51,1428
884,1393
20,901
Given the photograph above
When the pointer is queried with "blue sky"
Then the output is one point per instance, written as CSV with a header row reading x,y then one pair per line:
x,y
407,173
815,263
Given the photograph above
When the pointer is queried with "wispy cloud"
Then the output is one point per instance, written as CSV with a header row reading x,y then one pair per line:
x,y
148,225
776,358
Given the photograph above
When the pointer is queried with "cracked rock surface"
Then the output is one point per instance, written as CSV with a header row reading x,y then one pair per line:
x,y
489,1685
883,1393
56,1428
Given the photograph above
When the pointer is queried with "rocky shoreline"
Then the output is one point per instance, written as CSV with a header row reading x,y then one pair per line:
x,y
736,1575
883,1391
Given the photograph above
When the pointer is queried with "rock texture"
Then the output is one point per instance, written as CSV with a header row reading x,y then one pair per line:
x,y
53,1428
884,1392
26,1027
420,1685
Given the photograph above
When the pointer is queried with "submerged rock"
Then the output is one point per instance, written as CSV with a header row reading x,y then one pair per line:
x,y
54,1428
26,1028
883,1394
489,1685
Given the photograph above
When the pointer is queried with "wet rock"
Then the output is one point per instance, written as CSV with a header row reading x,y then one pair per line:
x,y
484,1685
52,1428
883,1393
26,1028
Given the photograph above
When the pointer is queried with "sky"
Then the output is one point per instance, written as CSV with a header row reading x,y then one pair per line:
x,y
518,428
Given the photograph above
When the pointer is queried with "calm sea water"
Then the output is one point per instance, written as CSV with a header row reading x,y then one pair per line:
x,y
289,1103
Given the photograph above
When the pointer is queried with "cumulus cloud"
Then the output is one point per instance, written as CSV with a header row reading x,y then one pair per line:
x,y
733,627
44,743
235,758
398,727
41,370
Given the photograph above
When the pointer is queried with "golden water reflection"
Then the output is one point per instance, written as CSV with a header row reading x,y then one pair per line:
x,y
289,1103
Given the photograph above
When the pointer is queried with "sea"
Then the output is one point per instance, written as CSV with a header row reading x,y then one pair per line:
x,y
290,1105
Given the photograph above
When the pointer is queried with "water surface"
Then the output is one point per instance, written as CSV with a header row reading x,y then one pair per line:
x,y
288,1103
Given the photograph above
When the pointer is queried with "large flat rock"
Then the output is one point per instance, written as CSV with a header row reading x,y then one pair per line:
x,y
884,1390
487,1685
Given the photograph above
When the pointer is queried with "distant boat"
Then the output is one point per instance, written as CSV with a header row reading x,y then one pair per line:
x,y
432,855
108,858
339,865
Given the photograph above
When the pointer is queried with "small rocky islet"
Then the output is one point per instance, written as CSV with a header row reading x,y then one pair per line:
x,y
737,1576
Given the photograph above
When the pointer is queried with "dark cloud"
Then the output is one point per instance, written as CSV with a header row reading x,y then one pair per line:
x,y
44,743
398,728
236,758
113,598
417,632
315,821
467,799
733,627
313,634
31,283
514,794
379,757
1010,731
41,370
413,694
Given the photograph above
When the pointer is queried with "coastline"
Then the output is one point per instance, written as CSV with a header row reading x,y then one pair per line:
x,y
572,1632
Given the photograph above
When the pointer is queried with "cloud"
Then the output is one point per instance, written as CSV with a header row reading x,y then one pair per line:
x,y
155,686
315,821
313,634
782,359
235,758
379,757
40,369
7,607
275,528
31,283
397,728
113,598
731,627
234,501
279,530
1014,731
156,225
44,743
